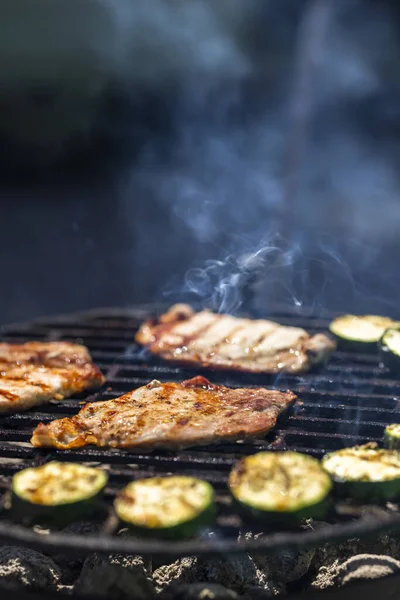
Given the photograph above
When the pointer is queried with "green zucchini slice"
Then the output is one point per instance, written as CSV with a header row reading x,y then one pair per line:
x,y
365,473
280,487
390,349
360,333
168,507
391,437
56,493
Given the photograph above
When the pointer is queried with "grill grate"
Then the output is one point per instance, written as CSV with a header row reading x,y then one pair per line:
x,y
347,402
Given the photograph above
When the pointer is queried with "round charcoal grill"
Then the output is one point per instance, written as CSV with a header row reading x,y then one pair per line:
x,y
347,402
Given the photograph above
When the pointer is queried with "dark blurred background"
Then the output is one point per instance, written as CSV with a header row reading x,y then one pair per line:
x,y
153,151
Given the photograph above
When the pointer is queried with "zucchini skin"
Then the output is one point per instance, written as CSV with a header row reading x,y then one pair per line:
x,y
181,531
354,346
38,506
27,513
391,440
185,528
285,518
388,358
367,492
347,344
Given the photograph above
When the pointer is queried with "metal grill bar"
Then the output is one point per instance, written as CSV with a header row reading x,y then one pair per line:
x,y
350,401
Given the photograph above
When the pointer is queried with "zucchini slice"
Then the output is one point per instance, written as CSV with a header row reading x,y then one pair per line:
x,y
360,333
391,437
280,487
168,507
56,493
365,473
390,349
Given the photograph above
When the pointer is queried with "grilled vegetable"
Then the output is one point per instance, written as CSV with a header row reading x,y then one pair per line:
x,y
360,333
56,493
391,437
280,487
390,349
365,473
168,507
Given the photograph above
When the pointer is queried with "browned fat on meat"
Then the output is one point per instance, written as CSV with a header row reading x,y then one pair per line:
x,y
37,372
169,415
224,342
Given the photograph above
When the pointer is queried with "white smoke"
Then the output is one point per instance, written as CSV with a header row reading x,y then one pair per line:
x,y
213,189
58,59
223,181
160,41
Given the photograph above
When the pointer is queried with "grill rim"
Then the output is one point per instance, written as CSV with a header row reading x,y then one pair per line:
x,y
105,543
274,542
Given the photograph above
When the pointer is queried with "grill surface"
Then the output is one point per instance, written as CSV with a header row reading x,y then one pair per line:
x,y
347,402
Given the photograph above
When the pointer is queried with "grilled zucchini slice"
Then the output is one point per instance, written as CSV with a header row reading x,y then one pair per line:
x,y
390,349
365,473
280,487
167,507
391,437
56,493
360,333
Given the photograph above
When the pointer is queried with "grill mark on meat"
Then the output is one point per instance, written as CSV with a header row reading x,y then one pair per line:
x,y
142,420
183,341
234,349
274,349
218,333
37,372
44,353
281,339
26,379
9,395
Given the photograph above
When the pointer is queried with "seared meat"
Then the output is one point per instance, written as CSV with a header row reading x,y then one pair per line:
x,y
49,354
35,373
169,415
225,342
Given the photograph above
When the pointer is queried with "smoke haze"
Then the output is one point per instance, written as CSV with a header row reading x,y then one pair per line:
x,y
197,201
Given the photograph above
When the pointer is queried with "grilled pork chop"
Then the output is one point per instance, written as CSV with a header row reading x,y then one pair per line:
x,y
169,415
50,354
37,372
225,342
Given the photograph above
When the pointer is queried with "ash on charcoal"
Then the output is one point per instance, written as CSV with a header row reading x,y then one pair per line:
x,y
129,562
286,566
24,568
325,577
364,567
235,572
238,573
116,576
65,589
71,565
283,567
257,593
329,557
198,591
357,568
114,583
329,553
181,571
131,559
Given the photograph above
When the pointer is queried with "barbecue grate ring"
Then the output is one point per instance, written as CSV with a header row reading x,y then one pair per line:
x,y
347,402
